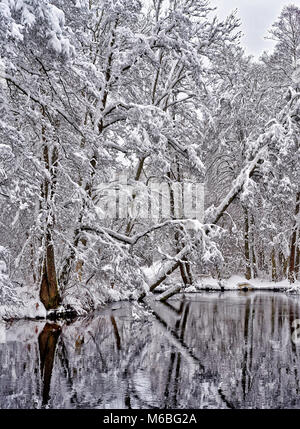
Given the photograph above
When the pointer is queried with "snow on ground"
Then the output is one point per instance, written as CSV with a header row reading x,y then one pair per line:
x,y
33,308
27,306
28,311
238,282
235,282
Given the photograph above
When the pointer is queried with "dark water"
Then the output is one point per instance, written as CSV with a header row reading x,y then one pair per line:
x,y
202,351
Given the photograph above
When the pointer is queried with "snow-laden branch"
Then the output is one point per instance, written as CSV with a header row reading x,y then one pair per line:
x,y
236,187
37,100
212,217
135,238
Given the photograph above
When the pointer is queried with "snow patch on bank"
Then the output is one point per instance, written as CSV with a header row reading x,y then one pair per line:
x,y
34,309
238,282
27,305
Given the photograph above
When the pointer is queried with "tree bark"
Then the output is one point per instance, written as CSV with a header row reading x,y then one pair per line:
x,y
253,261
185,269
293,248
297,266
247,249
49,293
274,267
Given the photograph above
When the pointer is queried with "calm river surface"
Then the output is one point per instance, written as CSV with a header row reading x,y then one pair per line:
x,y
233,350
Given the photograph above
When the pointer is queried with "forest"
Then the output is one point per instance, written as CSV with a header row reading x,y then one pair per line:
x,y
101,98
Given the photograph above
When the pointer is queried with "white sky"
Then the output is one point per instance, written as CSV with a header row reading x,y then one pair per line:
x,y
256,17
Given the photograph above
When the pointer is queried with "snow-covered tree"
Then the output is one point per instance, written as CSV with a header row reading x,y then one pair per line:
x,y
161,92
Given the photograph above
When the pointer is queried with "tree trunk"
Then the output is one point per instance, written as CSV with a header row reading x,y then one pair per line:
x,y
253,261
70,259
49,293
297,266
293,249
130,224
185,268
247,249
274,268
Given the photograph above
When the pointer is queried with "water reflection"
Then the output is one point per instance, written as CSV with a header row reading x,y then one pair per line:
x,y
47,345
205,351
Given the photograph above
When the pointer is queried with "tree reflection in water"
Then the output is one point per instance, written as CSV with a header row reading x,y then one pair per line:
x,y
204,351
47,345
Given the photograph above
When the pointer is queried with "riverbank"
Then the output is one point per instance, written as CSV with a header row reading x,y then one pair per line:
x,y
29,306
234,283
237,282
